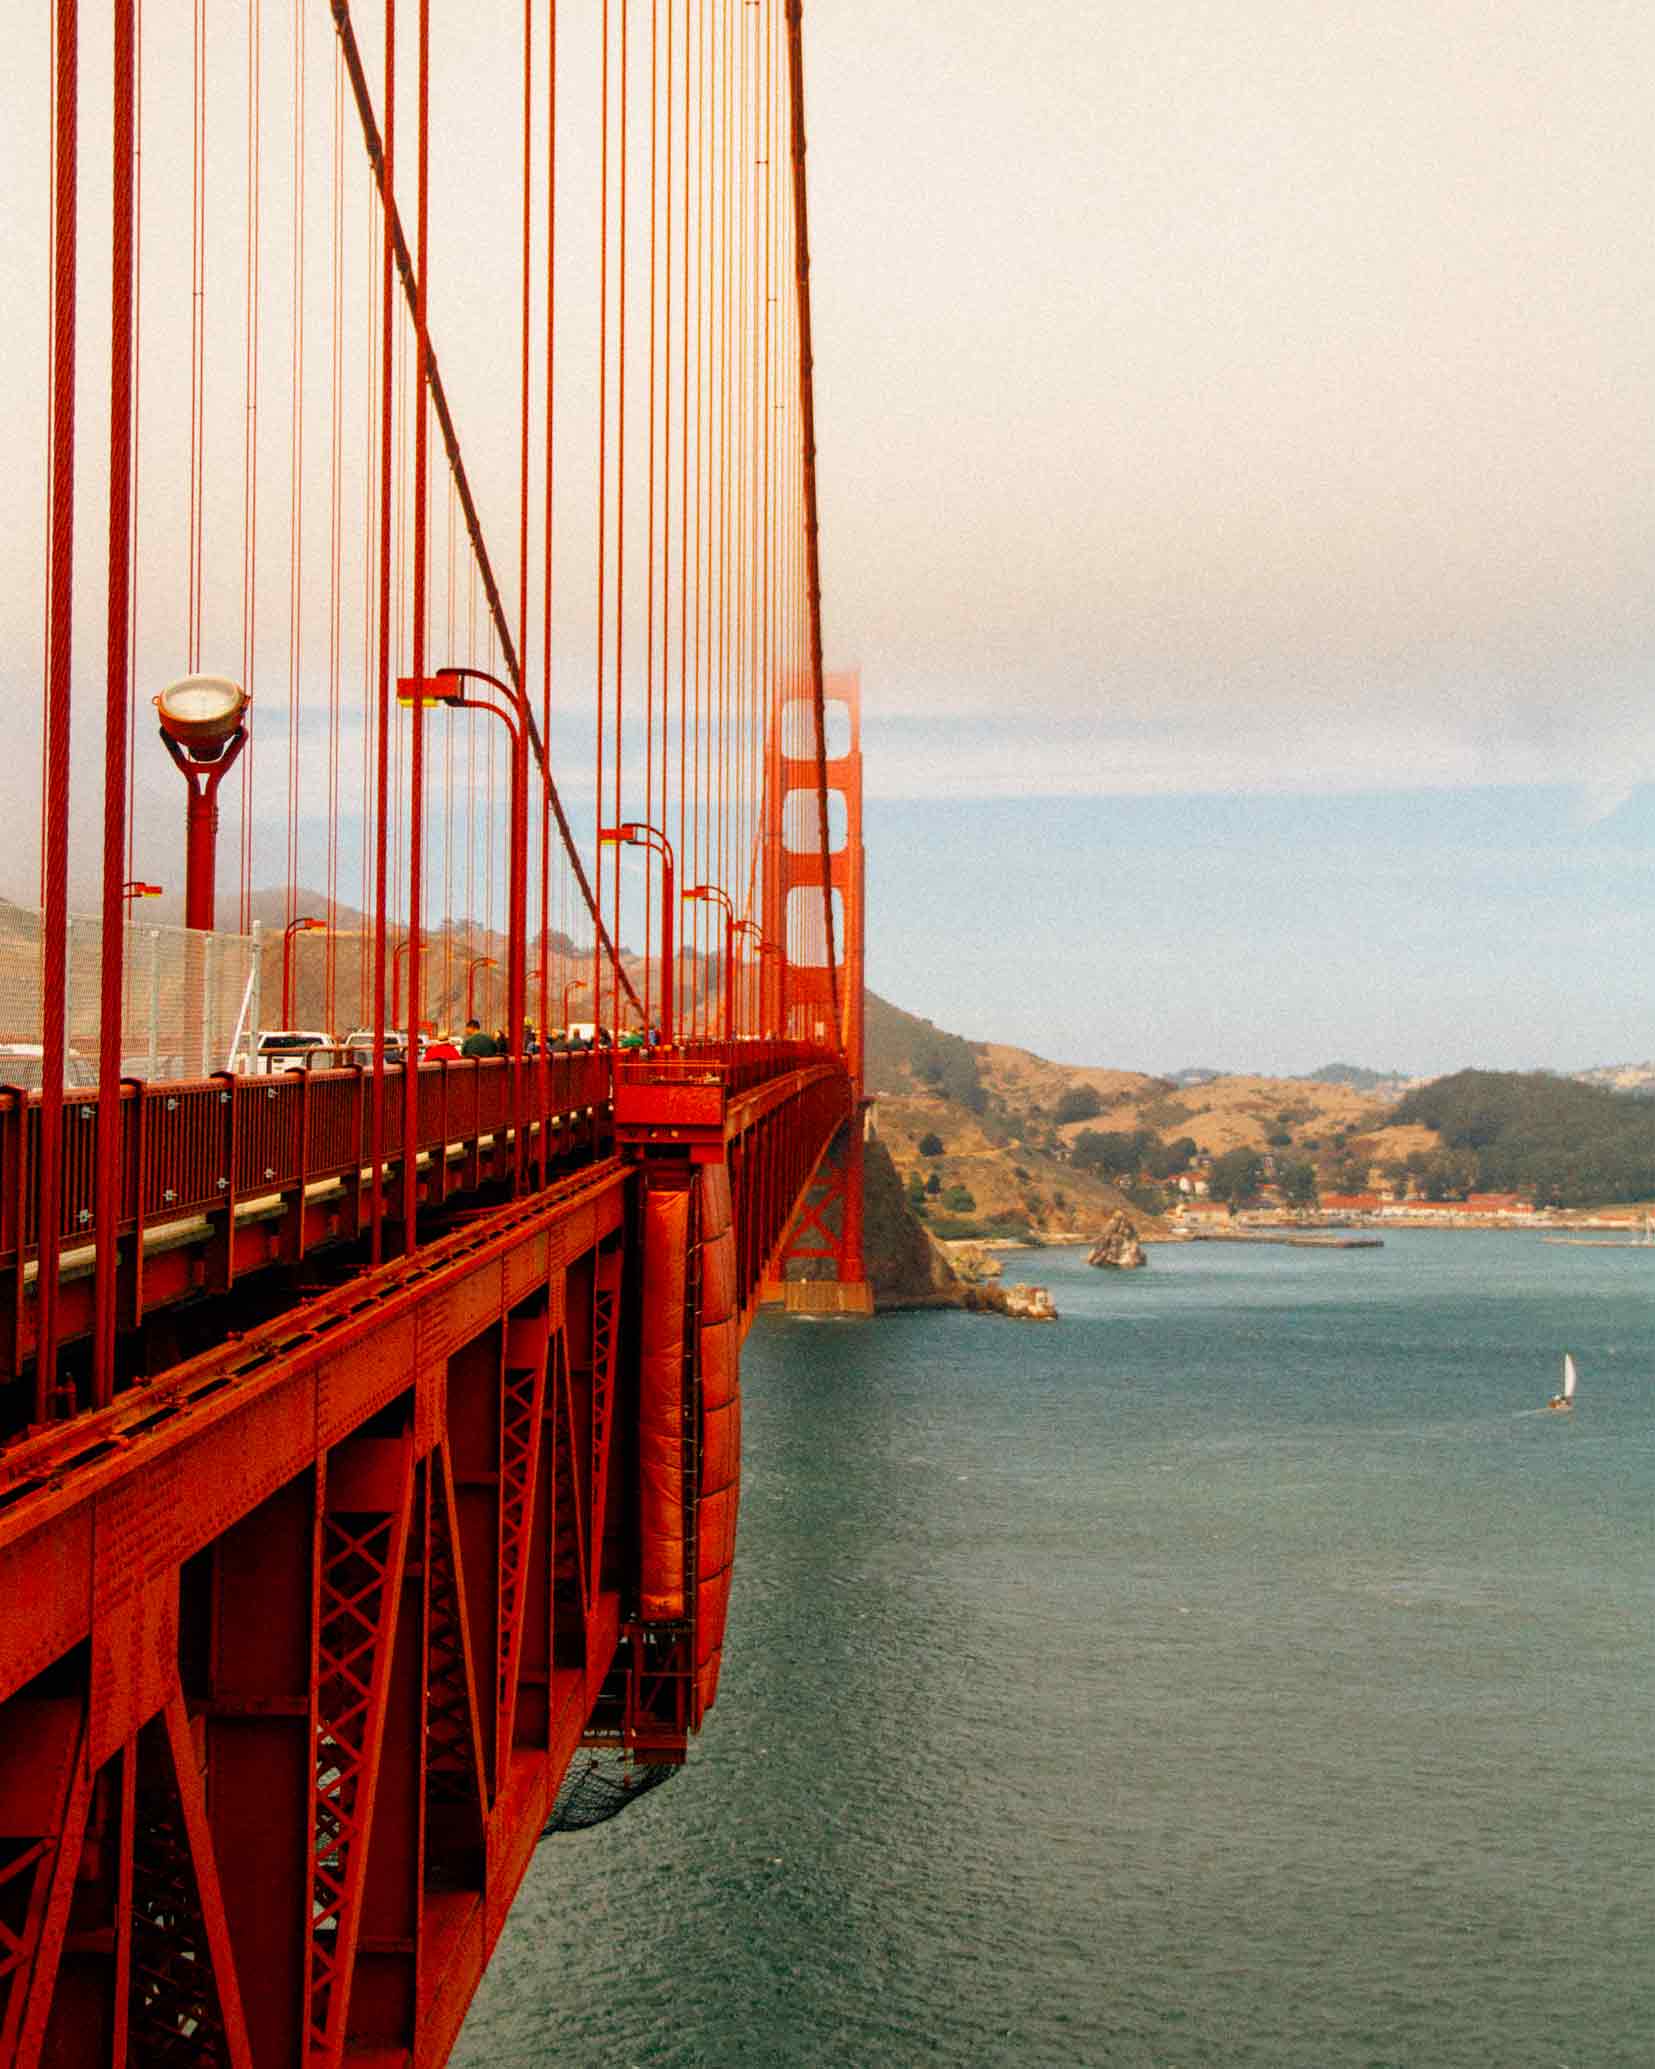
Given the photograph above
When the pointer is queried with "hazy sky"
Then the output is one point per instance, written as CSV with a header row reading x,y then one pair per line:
x,y
1246,408
1238,476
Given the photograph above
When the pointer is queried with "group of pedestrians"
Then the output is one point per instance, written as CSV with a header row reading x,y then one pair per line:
x,y
477,1042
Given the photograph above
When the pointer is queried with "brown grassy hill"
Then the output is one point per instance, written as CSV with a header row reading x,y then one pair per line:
x,y
1248,1112
1008,1119
1025,1081
1016,1188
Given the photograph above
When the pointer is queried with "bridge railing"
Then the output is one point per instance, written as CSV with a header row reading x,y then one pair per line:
x,y
743,1064
191,1147
198,1158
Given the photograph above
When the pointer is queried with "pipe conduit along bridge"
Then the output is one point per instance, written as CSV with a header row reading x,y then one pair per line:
x,y
417,436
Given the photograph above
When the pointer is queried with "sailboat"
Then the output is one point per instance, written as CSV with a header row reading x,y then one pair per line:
x,y
1564,1401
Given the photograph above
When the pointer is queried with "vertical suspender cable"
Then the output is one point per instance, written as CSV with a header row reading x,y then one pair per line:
x,y
106,1207
603,485
60,623
683,481
807,436
387,169
296,475
250,455
517,860
649,517
137,343
198,296
551,476
620,503
666,462
330,944
416,717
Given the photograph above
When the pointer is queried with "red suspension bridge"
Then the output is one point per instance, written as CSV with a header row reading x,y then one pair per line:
x,y
425,425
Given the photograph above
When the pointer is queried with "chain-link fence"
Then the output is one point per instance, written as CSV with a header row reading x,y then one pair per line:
x,y
190,1000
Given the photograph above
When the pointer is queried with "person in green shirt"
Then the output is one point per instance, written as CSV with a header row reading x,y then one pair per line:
x,y
477,1043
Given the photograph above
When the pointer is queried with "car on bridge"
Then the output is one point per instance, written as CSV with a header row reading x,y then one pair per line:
x,y
283,1048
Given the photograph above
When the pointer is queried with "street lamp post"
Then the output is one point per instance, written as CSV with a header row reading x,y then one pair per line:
x,y
447,687
575,984
304,924
638,833
762,948
477,962
714,894
204,728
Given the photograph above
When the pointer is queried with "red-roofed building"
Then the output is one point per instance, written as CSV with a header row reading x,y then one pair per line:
x,y
1350,1203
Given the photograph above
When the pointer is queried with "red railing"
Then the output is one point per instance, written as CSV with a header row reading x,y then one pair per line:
x,y
193,1148
221,1176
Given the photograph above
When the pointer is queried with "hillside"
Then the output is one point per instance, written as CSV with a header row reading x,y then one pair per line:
x,y
993,1161
995,1140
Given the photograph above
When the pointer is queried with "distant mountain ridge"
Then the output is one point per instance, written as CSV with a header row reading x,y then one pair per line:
x,y
1621,1077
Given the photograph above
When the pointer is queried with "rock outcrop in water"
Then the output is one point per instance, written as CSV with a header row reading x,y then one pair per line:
x,y
1020,1303
1118,1248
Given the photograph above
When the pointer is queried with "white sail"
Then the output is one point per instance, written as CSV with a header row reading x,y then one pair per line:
x,y
1568,1376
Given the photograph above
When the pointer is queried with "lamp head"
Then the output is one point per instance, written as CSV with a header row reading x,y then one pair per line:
x,y
412,690
202,713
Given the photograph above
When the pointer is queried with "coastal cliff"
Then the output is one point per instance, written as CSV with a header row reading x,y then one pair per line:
x,y
906,1267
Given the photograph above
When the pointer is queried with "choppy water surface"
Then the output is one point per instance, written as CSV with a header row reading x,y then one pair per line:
x,y
1235,1673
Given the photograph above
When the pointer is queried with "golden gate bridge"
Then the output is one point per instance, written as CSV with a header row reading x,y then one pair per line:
x,y
427,474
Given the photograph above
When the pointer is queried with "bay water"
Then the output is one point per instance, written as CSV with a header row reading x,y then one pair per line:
x,y
1243,1670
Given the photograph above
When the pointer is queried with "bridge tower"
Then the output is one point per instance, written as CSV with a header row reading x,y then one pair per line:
x,y
822,1270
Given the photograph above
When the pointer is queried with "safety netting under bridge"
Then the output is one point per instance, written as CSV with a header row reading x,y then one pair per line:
x,y
600,1784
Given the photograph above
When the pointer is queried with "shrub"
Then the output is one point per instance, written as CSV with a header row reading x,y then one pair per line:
x,y
1079,1103
930,1145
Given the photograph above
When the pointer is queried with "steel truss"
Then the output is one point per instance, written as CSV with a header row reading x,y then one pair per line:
x,y
315,1625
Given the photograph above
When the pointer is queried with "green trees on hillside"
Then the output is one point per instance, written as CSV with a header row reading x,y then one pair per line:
x,y
1236,1176
1565,1143
1443,1174
1078,1103
1114,1152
